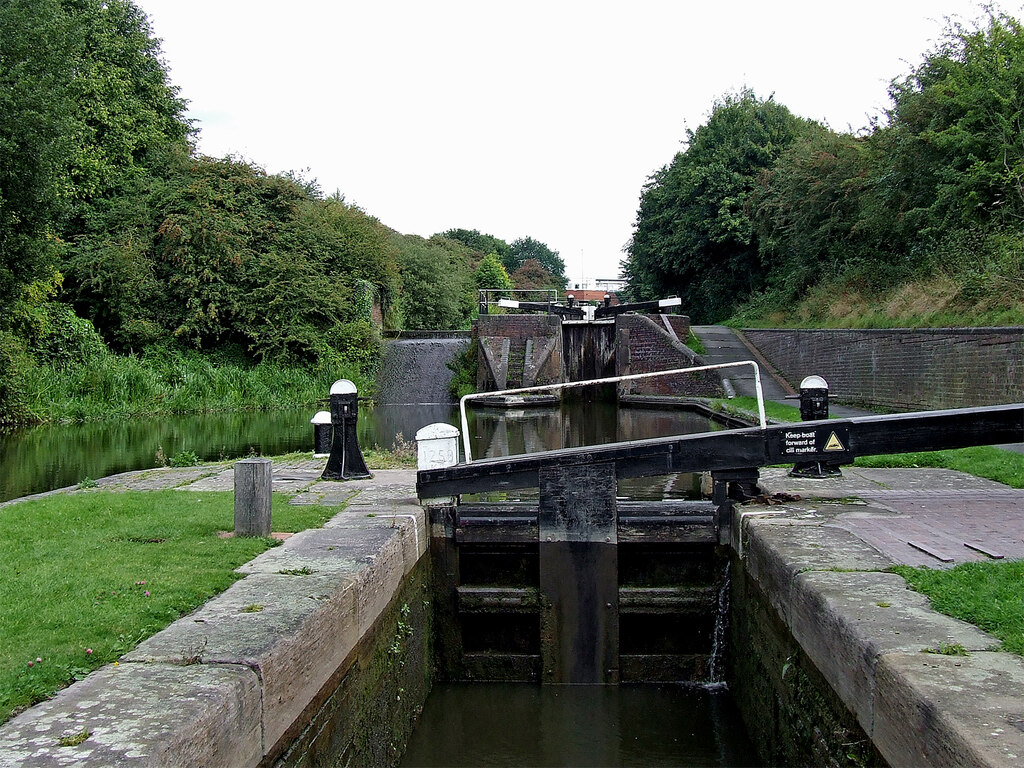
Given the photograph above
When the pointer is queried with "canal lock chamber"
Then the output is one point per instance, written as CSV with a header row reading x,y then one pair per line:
x,y
578,650
707,672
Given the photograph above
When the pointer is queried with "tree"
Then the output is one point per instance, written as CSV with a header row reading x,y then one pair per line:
x,y
531,275
954,139
491,274
482,244
526,248
35,112
812,209
693,235
438,289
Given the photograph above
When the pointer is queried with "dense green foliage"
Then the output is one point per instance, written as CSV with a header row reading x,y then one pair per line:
x,y
694,235
117,238
480,243
526,249
221,253
142,559
531,275
438,289
919,217
985,594
491,274
164,379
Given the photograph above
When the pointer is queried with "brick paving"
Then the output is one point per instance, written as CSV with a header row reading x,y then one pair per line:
x,y
922,517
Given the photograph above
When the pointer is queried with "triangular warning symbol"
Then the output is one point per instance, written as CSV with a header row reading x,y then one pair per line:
x,y
833,443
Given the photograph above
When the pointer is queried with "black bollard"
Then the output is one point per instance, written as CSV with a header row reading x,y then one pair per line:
x,y
814,407
321,422
346,460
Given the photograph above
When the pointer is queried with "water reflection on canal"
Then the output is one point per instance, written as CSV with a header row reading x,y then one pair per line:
x,y
511,724
53,456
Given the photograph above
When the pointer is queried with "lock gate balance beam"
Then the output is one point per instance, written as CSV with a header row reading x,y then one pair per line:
x,y
835,440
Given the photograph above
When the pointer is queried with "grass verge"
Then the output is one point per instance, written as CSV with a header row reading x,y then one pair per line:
x,y
746,407
988,595
88,576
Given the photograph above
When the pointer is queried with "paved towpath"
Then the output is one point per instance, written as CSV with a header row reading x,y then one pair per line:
x,y
923,517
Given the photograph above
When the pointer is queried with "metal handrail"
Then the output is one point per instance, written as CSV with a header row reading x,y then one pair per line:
x,y
609,380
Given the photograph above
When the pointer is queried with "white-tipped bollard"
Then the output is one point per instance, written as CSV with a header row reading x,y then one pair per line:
x,y
322,431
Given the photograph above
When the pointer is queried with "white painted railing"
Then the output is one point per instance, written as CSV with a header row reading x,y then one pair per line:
x,y
609,380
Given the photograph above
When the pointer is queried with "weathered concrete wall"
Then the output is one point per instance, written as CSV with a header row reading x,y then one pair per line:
x,y
366,713
644,345
903,369
237,681
828,657
518,351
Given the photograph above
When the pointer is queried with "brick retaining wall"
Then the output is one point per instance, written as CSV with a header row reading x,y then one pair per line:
x,y
643,345
902,369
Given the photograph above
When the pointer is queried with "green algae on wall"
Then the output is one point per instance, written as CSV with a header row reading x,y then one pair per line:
x,y
366,713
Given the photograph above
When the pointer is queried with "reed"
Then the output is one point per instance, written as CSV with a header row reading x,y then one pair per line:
x,y
115,386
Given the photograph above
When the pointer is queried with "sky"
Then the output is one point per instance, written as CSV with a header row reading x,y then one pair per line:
x,y
539,119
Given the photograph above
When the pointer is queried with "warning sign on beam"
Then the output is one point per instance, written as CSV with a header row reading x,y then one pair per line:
x,y
799,442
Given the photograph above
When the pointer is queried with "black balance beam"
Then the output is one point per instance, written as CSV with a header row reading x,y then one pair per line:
x,y
835,440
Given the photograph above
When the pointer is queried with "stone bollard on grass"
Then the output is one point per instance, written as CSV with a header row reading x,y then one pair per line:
x,y
253,478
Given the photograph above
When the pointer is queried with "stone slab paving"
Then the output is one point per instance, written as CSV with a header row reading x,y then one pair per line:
x,y
922,517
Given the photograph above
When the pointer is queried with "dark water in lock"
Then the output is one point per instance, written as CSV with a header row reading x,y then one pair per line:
x,y
517,724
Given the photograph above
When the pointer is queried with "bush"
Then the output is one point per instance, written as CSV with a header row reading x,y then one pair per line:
x,y
65,339
14,361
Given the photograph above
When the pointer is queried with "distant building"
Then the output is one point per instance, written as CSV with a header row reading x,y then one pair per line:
x,y
597,297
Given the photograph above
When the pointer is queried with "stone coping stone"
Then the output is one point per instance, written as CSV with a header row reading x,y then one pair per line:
x,y
869,635
950,711
285,629
158,714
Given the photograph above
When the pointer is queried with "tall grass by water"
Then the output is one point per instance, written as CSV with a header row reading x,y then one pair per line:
x,y
113,386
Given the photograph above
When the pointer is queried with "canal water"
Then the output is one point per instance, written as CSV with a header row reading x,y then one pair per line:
x,y
38,459
515,724
479,724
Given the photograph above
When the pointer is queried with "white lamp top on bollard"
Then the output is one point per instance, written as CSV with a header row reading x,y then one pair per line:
x,y
813,382
321,417
343,387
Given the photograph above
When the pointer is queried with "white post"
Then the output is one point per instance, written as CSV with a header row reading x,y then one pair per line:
x,y
437,446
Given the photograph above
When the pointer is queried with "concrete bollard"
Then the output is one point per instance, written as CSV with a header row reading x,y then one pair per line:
x,y
437,445
253,480
346,460
321,422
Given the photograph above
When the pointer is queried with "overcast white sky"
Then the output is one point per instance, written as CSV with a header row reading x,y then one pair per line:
x,y
519,118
